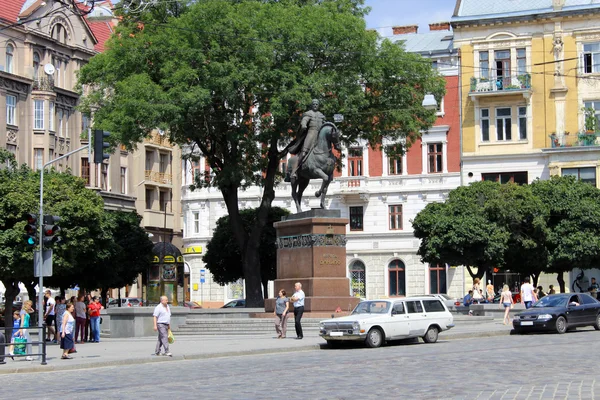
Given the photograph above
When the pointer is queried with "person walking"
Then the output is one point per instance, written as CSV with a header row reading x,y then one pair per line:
x,y
15,332
67,328
50,315
94,310
162,324
527,293
298,299
60,308
25,323
80,320
87,334
282,305
507,301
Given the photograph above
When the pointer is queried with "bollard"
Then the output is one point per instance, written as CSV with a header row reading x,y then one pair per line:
x,y
43,344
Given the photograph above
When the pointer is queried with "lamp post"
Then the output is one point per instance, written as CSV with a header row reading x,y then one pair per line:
x,y
429,102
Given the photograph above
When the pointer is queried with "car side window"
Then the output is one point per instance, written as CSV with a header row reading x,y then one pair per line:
x,y
433,306
399,308
588,299
414,307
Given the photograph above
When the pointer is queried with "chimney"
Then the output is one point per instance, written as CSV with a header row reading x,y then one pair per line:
x,y
401,30
439,26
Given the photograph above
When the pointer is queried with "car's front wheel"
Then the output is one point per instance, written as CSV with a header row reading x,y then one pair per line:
x,y
597,323
561,325
431,336
374,338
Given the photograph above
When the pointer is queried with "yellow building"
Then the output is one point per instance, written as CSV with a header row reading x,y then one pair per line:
x,y
527,71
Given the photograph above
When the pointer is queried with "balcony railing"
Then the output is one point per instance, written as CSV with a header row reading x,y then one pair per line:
x,y
574,140
502,84
45,84
158,177
160,140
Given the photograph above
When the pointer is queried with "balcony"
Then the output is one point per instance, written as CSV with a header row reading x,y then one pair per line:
x,y
158,140
161,178
566,140
45,84
501,85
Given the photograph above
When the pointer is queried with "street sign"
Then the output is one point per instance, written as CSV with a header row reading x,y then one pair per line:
x,y
202,276
42,267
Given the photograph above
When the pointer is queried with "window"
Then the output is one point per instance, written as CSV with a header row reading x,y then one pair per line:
x,y
440,107
587,174
36,66
60,123
11,110
66,116
38,159
591,58
414,307
50,154
437,279
484,64
283,166
394,162
149,199
503,124
357,279
433,306
521,62
502,60
435,157
397,278
164,199
85,170
356,218
163,162
395,217
398,308
149,161
85,125
523,123
595,105
38,114
485,124
104,176
196,170
506,177
10,51
196,215
51,126
123,180
355,164
59,33
12,149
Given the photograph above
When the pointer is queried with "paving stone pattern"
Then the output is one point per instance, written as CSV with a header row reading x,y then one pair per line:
x,y
546,366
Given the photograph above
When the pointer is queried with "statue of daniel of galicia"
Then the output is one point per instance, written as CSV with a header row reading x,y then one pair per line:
x,y
312,121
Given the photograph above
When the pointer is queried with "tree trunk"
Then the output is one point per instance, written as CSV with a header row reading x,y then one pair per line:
x,y
31,293
11,292
479,274
103,294
561,282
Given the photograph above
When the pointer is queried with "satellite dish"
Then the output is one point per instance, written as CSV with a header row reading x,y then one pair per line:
x,y
49,69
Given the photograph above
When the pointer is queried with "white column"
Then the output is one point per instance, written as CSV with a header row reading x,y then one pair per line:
x,y
424,157
365,171
404,164
445,156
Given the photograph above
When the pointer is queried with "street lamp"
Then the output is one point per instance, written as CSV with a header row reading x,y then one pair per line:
x,y
429,102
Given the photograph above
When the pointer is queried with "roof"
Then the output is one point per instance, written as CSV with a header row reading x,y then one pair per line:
x,y
426,43
11,9
102,29
468,9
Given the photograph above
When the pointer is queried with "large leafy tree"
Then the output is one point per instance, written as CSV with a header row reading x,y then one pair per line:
x,y
230,79
224,258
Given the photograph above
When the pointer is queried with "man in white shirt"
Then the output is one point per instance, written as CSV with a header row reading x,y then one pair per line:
x,y
162,324
298,300
527,294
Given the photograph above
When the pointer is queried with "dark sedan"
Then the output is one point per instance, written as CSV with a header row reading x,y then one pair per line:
x,y
559,312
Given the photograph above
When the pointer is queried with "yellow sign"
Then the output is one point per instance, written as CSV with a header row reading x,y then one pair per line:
x,y
169,259
193,250
155,259
195,287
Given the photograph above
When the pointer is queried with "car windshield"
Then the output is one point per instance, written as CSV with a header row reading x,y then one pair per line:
x,y
372,307
552,301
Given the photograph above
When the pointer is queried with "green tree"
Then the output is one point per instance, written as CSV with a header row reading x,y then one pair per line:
x,y
222,77
224,259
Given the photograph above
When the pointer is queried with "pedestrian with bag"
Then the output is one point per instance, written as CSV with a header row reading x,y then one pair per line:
x,y
94,309
162,324
67,328
282,305
477,296
25,323
12,350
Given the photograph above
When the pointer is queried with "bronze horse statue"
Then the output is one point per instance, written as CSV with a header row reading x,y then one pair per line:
x,y
319,164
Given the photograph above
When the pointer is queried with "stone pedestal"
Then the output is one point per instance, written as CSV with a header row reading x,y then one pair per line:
x,y
311,249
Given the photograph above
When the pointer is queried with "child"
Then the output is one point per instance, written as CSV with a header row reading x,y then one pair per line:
x,y
15,332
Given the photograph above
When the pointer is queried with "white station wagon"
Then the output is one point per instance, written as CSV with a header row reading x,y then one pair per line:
x,y
375,321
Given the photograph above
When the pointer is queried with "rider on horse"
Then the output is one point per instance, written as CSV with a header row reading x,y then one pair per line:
x,y
312,121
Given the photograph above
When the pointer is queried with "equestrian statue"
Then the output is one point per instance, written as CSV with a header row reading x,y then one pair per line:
x,y
313,157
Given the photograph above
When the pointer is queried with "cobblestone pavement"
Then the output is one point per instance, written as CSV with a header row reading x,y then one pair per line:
x,y
546,366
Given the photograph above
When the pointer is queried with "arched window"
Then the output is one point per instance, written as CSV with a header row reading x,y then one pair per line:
x,y
397,278
10,51
36,65
59,33
358,281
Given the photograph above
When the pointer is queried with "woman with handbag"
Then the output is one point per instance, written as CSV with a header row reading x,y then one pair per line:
x,y
507,301
67,328
24,331
477,296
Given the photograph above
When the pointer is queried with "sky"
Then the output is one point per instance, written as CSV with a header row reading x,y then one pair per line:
x,y
387,13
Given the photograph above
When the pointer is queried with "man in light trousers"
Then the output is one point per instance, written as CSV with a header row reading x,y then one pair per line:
x,y
162,324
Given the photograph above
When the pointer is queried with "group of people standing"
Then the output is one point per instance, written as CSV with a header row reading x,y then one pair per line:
x,y
282,307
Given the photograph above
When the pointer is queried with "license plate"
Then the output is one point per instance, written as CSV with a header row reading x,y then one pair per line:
x,y
527,323
336,334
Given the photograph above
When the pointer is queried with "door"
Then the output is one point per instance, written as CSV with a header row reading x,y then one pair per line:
x,y
590,309
502,58
398,327
575,313
416,318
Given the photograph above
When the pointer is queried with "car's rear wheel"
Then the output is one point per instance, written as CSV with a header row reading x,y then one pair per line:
x,y
597,323
374,338
561,325
431,336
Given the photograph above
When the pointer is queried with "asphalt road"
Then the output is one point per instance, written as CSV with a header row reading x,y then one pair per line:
x,y
547,366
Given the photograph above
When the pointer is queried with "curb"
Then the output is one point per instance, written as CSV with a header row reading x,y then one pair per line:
x,y
189,357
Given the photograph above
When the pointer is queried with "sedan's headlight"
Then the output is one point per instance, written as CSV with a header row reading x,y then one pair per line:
x,y
516,318
356,326
321,326
544,317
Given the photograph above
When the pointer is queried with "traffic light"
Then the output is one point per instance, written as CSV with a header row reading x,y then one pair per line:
x,y
51,229
30,229
100,145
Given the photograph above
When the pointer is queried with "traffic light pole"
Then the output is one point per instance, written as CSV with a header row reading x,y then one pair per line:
x,y
40,304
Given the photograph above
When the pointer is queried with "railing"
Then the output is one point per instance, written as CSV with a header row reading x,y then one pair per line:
x,y
159,177
160,140
45,83
574,140
7,333
501,83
